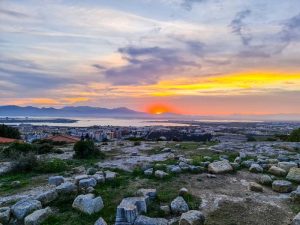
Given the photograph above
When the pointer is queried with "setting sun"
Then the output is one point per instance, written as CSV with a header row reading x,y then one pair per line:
x,y
158,109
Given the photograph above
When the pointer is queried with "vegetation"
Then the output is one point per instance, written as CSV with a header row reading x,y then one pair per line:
x,y
86,149
295,135
9,132
25,162
52,166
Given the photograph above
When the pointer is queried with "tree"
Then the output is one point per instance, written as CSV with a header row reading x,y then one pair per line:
x,y
295,135
85,149
9,132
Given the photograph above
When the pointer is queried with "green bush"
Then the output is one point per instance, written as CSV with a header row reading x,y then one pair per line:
x,y
44,148
15,149
86,149
295,136
25,162
52,166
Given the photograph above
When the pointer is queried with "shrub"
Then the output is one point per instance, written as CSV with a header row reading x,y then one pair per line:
x,y
25,162
85,149
18,148
52,166
44,148
295,136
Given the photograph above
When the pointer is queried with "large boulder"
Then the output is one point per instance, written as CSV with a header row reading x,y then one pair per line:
x,y
100,221
282,186
81,177
294,175
296,220
144,220
178,205
192,217
277,171
287,165
88,182
56,180
66,188
38,216
47,197
24,207
4,215
88,204
220,167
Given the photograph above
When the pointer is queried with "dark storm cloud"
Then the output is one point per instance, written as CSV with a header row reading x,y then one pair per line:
x,y
146,65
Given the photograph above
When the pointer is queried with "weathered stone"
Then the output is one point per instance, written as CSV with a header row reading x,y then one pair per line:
x,y
265,180
66,188
109,175
56,180
196,169
294,175
178,205
149,172
100,221
192,217
99,178
24,207
91,171
282,186
47,197
38,216
295,195
4,215
296,220
144,220
274,170
160,174
287,165
151,193
15,184
220,167
79,169
247,163
255,187
81,177
174,169
256,168
88,203
165,209
183,191
89,182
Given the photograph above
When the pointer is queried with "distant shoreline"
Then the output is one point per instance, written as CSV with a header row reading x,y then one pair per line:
x,y
30,120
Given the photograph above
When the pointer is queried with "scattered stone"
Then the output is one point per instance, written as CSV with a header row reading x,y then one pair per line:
x,y
183,191
287,165
220,167
282,186
109,175
160,174
253,186
144,220
211,175
149,172
89,182
90,190
56,180
296,220
178,205
235,166
192,217
247,163
237,160
47,197
81,177
38,216
79,169
100,221
91,171
256,168
274,170
294,175
207,158
165,209
148,193
174,169
99,178
88,203
66,188
4,215
24,207
295,195
15,184
265,180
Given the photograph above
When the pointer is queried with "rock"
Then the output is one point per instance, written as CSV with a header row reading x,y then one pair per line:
x,y
192,217
144,220
247,163
253,186
183,191
47,197
100,221
166,150
265,180
294,175
89,182
91,171
4,215
178,205
66,188
295,195
160,174
174,221
296,220
274,170
211,176
109,175
129,209
256,168
15,184
99,178
148,193
79,169
90,190
207,158
81,177
88,203
24,207
165,209
220,167
38,216
287,165
56,180
149,172
174,169
235,166
237,160
282,186
196,169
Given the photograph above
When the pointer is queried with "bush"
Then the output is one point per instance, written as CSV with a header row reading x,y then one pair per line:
x,y
295,136
86,149
52,166
16,149
44,148
25,163
9,132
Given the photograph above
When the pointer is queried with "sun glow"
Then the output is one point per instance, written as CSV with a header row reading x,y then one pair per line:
x,y
158,109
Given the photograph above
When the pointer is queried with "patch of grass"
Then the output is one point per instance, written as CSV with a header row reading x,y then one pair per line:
x,y
52,166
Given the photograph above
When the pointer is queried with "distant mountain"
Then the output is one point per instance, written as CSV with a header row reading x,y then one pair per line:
x,y
70,111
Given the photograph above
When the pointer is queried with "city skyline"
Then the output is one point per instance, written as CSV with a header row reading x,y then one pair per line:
x,y
199,57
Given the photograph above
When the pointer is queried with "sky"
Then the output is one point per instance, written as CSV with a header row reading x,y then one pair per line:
x,y
204,57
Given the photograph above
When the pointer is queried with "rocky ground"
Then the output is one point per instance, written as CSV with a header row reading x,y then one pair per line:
x,y
162,183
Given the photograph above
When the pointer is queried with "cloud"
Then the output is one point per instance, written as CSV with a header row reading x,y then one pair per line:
x,y
291,30
188,4
146,65
13,13
238,26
